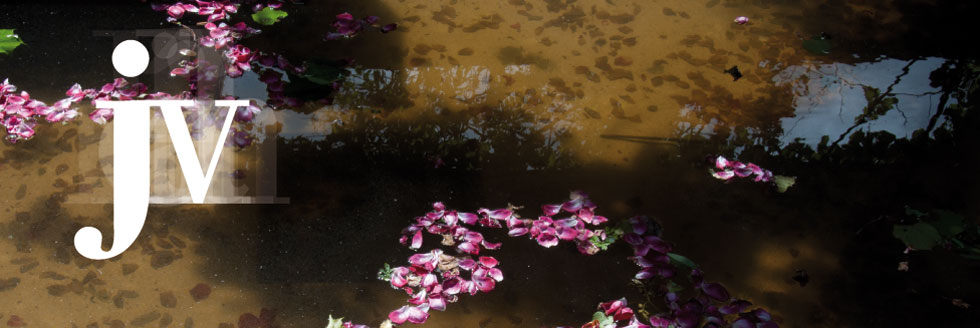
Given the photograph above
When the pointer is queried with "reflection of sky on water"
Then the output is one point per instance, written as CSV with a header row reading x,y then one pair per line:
x,y
830,96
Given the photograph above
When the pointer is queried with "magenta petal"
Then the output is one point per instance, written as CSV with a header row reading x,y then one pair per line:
x,y
735,307
623,314
389,28
633,239
468,247
715,291
450,218
417,240
473,237
398,281
452,286
567,223
567,233
468,218
613,306
488,261
721,163
761,314
496,274
643,274
572,206
437,302
501,214
399,316
550,210
345,17
467,264
586,215
430,280
484,284
657,244
416,315
642,261
419,298
743,323
489,245
517,232
599,219
723,175
547,240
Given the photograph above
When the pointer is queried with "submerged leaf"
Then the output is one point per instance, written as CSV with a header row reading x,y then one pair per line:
x,y
674,257
817,45
269,16
920,236
948,224
783,182
334,323
9,41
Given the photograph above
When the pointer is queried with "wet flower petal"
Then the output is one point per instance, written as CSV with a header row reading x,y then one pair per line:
x,y
416,240
715,291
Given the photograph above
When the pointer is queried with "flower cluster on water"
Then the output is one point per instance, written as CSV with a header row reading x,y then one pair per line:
x,y
653,255
348,27
19,113
729,169
434,278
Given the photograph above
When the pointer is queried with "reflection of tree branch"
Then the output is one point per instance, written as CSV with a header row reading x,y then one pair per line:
x,y
644,139
940,110
871,104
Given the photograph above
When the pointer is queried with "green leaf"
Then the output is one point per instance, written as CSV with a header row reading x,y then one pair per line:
x,y
269,16
385,273
602,319
674,257
817,45
335,323
920,236
948,224
325,72
783,182
9,41
913,212
315,83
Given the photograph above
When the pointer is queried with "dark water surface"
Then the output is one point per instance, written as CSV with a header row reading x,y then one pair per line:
x,y
490,103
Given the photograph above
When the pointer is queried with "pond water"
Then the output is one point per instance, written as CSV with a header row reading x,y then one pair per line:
x,y
490,103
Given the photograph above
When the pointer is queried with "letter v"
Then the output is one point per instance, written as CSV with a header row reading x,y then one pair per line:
x,y
198,182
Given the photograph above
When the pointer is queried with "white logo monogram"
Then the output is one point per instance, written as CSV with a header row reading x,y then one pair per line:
x,y
131,167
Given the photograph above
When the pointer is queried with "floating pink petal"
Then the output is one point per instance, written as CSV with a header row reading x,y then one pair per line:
x,y
612,306
496,274
488,261
410,314
501,214
586,215
547,240
345,17
490,246
468,218
550,210
715,291
416,240
389,28
517,232
484,284
437,302
723,175
468,247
